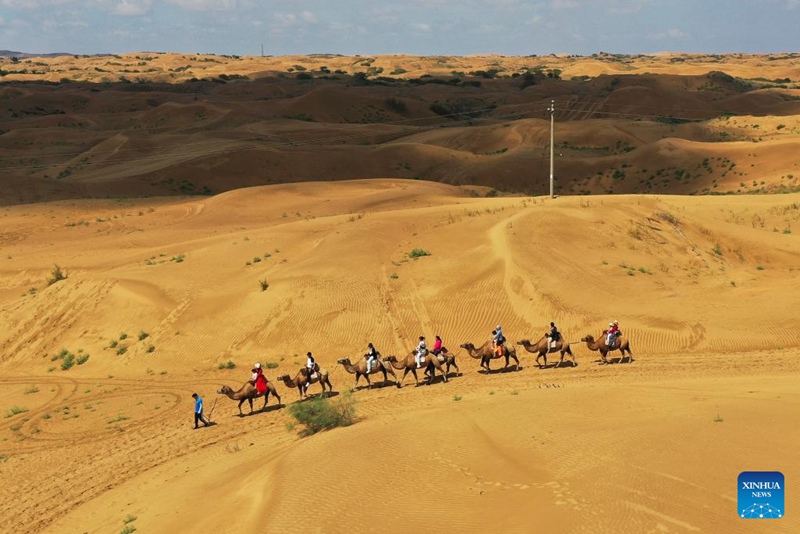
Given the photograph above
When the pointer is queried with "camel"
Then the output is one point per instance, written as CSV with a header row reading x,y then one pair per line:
x,y
620,343
542,347
409,364
360,368
445,357
301,383
248,392
485,353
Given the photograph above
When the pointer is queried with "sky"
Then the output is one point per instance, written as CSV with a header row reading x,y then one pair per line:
x,y
420,27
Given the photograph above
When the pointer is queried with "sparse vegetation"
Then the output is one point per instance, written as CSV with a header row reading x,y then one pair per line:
x,y
227,365
30,390
15,410
418,253
320,413
271,365
122,349
456,398
717,249
143,335
68,362
264,284
718,418
56,275
83,358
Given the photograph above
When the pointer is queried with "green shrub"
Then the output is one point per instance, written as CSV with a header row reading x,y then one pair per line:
x,y
15,411
322,414
143,335
69,361
56,275
83,358
271,365
122,349
227,365
418,253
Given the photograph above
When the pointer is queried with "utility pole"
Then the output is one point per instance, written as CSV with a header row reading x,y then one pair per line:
x,y
552,110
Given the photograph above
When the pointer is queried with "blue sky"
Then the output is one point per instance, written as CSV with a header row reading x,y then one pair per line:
x,y
425,27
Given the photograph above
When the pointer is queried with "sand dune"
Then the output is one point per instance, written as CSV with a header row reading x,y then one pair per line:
x,y
701,286
172,124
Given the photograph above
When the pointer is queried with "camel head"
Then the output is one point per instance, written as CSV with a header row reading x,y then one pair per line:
x,y
282,377
468,346
589,339
524,342
225,390
390,358
344,361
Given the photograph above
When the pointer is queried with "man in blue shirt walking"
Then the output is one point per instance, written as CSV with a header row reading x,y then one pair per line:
x,y
198,410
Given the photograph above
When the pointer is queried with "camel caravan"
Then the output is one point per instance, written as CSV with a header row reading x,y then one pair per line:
x,y
439,359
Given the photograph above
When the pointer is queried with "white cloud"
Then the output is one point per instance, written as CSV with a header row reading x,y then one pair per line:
x,y
421,26
672,33
534,20
309,17
133,8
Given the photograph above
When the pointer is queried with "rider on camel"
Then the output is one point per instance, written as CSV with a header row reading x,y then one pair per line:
x,y
613,331
422,351
259,380
437,346
372,356
498,339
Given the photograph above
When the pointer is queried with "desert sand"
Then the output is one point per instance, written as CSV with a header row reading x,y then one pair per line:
x,y
704,287
209,212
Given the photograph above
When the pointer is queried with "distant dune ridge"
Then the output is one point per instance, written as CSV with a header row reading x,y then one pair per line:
x,y
160,236
156,124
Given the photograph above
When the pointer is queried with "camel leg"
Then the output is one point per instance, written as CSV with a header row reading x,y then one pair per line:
x,y
250,400
369,384
405,372
266,400
390,371
240,406
414,372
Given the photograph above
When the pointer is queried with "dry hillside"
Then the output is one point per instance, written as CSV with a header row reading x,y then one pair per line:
x,y
158,124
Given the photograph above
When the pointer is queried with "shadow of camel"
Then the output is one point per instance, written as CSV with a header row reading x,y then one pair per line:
x,y
509,369
273,408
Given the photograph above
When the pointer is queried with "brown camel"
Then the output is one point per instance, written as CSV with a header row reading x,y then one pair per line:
x,y
447,358
301,382
409,365
486,353
620,343
542,347
248,392
360,369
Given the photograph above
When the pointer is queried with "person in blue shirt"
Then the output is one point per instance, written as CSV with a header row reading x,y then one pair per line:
x,y
198,410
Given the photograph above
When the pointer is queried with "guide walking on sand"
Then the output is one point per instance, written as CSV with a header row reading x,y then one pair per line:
x,y
198,410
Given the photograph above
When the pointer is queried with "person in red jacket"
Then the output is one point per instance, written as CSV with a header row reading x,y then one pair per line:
x,y
259,380
613,331
437,346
